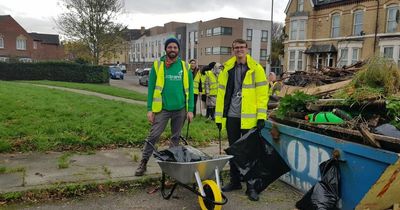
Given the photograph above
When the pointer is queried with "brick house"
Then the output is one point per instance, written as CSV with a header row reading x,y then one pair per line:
x,y
340,32
17,43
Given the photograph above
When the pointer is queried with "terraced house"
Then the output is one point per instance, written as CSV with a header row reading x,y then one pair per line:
x,y
340,32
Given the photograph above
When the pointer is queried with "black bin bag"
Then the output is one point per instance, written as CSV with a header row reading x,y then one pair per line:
x,y
324,194
257,160
181,154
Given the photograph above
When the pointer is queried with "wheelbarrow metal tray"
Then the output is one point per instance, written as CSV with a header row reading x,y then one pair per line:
x,y
183,172
368,175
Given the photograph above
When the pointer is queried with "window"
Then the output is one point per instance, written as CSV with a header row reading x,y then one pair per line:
x,y
1,42
208,50
226,50
300,5
297,29
21,43
264,35
222,31
292,58
3,59
216,50
343,57
335,25
263,54
354,56
299,60
391,25
388,52
249,34
196,36
217,31
209,32
358,22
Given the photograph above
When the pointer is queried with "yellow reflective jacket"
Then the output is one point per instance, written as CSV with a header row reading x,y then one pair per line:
x,y
254,94
196,83
211,83
157,97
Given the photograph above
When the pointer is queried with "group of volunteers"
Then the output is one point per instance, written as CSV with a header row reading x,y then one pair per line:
x,y
234,94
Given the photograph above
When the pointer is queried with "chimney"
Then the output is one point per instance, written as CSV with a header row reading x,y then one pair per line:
x,y
142,29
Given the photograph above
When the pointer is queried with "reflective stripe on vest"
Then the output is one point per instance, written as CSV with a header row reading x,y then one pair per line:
x,y
156,106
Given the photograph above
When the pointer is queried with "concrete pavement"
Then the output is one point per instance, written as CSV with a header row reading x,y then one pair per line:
x,y
27,171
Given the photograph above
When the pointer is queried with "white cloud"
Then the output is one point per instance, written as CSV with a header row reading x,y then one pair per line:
x,y
38,15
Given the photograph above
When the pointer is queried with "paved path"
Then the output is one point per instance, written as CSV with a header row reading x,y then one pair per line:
x,y
42,171
100,95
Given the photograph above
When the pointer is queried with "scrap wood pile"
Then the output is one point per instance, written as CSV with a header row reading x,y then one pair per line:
x,y
323,76
366,110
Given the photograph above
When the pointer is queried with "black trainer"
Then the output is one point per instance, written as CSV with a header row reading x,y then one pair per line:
x,y
231,187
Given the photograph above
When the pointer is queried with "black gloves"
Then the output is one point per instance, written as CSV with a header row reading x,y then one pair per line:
x,y
219,126
260,124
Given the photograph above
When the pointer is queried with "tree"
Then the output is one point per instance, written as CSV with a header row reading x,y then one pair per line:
x,y
78,51
91,22
277,49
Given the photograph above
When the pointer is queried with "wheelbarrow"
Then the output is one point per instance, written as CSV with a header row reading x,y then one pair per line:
x,y
188,174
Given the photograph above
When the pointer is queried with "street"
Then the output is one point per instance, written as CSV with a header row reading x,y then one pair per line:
x,y
130,82
278,196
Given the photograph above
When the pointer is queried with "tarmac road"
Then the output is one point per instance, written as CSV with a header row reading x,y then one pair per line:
x,y
130,82
278,196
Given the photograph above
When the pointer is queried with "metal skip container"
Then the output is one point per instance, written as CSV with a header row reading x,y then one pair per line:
x,y
370,177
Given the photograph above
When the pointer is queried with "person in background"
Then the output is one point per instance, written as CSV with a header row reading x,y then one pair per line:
x,y
241,105
274,87
211,88
170,97
196,83
203,101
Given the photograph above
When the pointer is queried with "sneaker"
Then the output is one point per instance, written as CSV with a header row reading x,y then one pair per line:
x,y
231,187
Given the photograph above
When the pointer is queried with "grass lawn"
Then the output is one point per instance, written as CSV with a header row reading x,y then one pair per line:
x,y
99,88
40,119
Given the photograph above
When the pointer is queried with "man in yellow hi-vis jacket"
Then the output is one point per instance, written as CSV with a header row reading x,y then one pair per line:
x,y
170,97
242,100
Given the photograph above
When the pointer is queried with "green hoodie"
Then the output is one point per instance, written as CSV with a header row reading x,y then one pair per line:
x,y
172,99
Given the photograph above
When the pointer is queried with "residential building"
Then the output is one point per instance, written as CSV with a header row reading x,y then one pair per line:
x,y
16,43
212,40
205,41
340,32
46,47
150,45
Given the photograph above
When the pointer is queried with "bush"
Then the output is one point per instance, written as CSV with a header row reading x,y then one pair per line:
x,y
56,71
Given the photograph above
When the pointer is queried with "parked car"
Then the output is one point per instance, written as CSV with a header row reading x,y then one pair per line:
x,y
144,76
123,68
115,72
137,71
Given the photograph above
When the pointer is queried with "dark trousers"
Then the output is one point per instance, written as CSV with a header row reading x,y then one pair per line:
x,y
234,134
195,103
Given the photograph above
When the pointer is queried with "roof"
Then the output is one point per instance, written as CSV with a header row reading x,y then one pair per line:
x,y
324,48
4,17
46,38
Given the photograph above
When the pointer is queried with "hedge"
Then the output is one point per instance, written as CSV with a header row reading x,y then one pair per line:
x,y
56,71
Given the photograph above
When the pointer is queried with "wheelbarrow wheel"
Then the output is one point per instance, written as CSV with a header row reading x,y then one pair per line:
x,y
213,193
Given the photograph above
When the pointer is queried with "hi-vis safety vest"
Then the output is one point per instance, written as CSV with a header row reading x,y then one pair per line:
x,y
273,89
156,106
254,94
196,83
211,79
203,81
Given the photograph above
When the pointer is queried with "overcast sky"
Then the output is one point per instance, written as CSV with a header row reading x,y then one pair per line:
x,y
38,15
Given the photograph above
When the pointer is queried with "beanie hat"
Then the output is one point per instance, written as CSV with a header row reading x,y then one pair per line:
x,y
170,40
211,65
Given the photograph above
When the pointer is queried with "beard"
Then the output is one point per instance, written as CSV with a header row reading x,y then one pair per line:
x,y
172,55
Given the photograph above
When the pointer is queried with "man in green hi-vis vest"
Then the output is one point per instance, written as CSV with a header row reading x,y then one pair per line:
x,y
170,97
